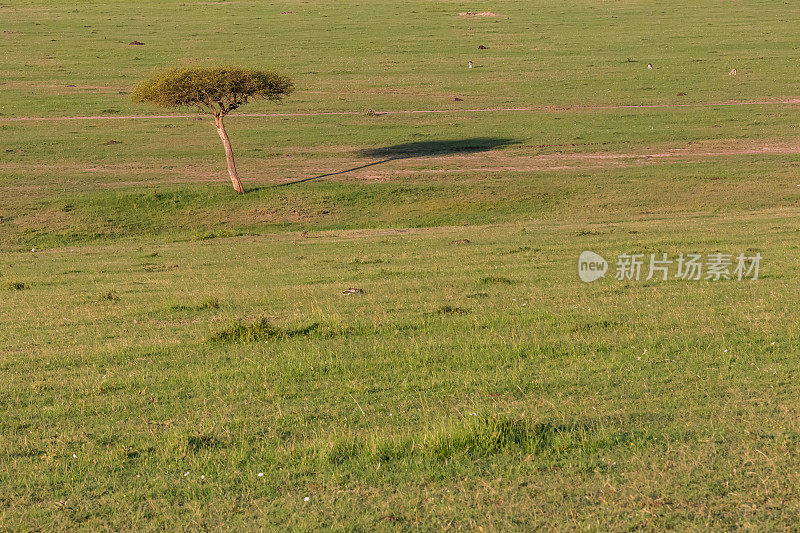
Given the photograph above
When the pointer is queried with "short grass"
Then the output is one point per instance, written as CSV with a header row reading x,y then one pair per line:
x,y
174,355
474,384
381,54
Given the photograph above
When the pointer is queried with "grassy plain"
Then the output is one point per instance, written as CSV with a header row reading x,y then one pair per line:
x,y
175,355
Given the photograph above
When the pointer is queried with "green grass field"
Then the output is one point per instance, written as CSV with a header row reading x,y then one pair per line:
x,y
175,355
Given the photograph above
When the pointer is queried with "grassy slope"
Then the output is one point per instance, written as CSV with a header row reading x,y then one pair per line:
x,y
161,180
613,405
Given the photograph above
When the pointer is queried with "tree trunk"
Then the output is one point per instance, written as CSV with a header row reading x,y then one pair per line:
x,y
237,184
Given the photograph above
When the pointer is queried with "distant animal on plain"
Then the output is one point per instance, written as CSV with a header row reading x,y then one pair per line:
x,y
732,72
649,66
470,64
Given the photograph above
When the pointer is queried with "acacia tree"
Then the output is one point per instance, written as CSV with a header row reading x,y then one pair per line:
x,y
213,91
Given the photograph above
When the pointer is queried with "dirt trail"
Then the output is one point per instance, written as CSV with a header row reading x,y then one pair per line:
x,y
357,168
520,161
551,108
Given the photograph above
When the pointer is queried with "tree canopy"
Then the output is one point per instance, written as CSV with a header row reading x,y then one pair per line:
x,y
214,90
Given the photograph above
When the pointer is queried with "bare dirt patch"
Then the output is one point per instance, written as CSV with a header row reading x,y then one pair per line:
x,y
534,159
477,14
523,109
61,89
372,177
704,149
51,219
320,163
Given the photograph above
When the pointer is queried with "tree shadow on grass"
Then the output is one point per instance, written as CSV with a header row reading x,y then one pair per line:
x,y
419,149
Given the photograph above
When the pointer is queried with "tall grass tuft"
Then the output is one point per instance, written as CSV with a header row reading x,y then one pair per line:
x,y
260,330
239,332
477,437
